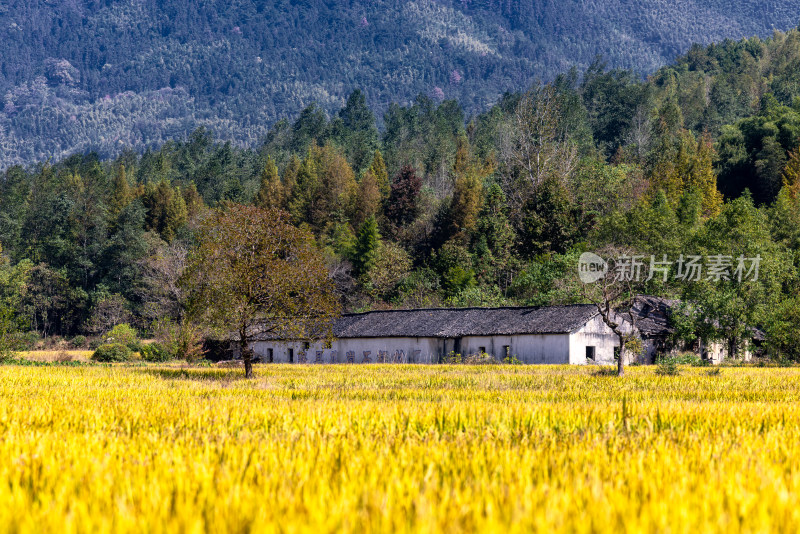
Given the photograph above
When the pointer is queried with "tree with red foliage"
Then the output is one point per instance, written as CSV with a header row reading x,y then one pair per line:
x,y
402,206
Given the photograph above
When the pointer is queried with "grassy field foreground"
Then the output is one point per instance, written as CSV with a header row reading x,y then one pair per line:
x,y
398,448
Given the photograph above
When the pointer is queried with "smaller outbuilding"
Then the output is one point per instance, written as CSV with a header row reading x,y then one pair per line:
x,y
654,324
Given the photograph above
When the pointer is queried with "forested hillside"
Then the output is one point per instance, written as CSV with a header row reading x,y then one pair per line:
x,y
110,74
442,209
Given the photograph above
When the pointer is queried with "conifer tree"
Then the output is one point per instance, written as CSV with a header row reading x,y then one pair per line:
x,y
679,164
378,170
122,194
166,209
403,204
791,174
194,202
270,194
468,191
355,131
369,199
301,205
338,190
365,252
703,179
289,177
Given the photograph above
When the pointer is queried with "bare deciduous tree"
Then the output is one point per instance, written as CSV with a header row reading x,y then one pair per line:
x,y
615,294
640,134
538,144
162,292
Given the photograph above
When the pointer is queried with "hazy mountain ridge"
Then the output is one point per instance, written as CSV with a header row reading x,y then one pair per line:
x,y
100,75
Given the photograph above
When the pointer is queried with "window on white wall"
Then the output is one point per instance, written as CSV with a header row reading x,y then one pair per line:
x,y
590,353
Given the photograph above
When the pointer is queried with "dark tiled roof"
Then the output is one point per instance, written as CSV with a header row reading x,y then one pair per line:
x,y
459,322
652,315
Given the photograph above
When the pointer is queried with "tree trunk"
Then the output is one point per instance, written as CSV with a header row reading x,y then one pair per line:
x,y
247,356
621,359
733,347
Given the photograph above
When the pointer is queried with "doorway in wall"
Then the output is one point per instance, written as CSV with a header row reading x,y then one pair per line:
x,y
291,355
590,353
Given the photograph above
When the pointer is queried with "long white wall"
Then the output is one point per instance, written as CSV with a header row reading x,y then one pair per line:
x,y
408,350
529,348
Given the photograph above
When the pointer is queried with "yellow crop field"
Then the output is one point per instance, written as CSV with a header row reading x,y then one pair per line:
x,y
398,449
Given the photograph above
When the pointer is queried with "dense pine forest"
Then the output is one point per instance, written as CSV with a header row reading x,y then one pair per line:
x,y
442,208
102,75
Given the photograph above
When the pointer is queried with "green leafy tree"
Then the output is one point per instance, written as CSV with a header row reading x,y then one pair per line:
x,y
783,330
611,99
493,241
791,174
391,266
254,273
8,329
730,309
50,302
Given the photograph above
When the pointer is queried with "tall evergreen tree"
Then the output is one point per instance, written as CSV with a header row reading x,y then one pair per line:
x,y
791,174
467,194
355,131
289,177
403,204
378,170
369,199
365,252
166,209
121,195
270,193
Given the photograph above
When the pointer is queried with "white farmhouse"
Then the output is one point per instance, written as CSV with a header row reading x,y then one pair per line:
x,y
572,334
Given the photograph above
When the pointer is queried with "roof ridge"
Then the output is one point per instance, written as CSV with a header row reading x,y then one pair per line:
x,y
350,314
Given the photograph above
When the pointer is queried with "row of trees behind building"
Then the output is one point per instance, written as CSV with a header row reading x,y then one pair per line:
x,y
437,210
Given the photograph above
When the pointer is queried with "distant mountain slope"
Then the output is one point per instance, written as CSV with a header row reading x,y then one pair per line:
x,y
103,74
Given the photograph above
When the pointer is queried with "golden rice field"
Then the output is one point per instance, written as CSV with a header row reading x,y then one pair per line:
x,y
398,449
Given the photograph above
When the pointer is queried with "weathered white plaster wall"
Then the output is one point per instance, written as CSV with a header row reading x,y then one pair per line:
x,y
415,350
529,349
597,334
